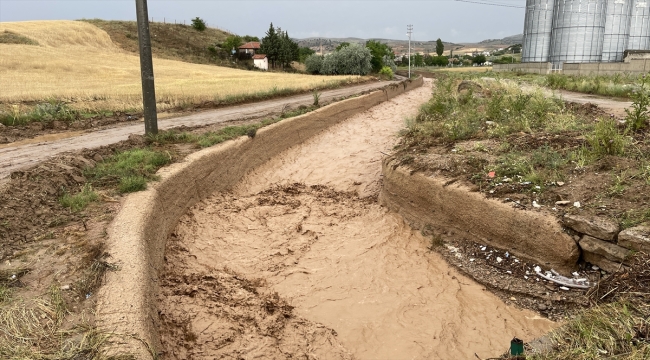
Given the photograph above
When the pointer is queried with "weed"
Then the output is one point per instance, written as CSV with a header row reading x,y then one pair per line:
x,y
80,200
639,113
5,293
316,96
606,139
132,183
128,169
436,242
632,218
618,185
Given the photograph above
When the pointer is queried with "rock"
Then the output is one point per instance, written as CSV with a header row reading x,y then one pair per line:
x,y
636,238
65,287
468,85
604,249
597,227
603,263
562,203
541,307
98,158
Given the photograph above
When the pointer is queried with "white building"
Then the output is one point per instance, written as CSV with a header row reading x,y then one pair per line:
x,y
261,61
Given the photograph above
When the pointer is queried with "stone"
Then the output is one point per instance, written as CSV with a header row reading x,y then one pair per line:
x,y
562,203
636,238
468,85
603,263
609,251
597,227
541,307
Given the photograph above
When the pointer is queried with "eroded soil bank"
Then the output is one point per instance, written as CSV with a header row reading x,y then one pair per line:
x,y
301,261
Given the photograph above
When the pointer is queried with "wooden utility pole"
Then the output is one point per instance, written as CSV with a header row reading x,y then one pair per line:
x,y
146,68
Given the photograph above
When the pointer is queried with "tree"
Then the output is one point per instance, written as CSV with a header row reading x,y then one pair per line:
x,y
378,51
342,45
313,63
271,45
303,53
440,47
418,60
350,60
429,60
479,59
232,42
248,38
198,24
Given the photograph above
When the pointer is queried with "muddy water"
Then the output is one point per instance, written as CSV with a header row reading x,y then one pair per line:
x,y
304,234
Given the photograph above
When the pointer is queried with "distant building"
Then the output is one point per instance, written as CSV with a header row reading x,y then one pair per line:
x,y
249,49
261,61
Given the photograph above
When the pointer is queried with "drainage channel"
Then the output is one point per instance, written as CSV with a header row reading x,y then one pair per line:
x,y
300,260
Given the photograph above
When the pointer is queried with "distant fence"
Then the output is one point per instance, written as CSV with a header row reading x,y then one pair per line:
x,y
186,22
641,66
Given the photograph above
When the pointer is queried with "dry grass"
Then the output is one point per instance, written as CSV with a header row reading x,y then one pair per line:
x,y
78,63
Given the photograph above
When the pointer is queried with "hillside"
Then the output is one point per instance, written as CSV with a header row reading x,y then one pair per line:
x,y
169,41
329,44
508,40
78,63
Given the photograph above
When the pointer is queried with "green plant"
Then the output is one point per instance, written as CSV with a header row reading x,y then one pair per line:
x,y
618,185
386,73
316,96
639,113
198,24
128,169
80,200
606,139
132,183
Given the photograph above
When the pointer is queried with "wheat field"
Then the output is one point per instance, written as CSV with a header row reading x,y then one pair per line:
x,y
77,63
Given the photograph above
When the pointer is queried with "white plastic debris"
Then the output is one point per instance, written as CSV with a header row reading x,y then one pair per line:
x,y
516,260
499,259
596,268
576,274
507,254
483,248
538,187
525,277
472,260
564,288
538,269
576,204
13,277
509,272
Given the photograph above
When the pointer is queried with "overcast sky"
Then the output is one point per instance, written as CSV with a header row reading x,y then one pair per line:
x,y
450,20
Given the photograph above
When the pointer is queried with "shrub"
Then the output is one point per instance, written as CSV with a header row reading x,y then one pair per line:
x,y
198,24
128,169
386,73
350,60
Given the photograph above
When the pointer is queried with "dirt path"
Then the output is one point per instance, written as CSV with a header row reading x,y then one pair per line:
x,y
609,105
18,155
352,279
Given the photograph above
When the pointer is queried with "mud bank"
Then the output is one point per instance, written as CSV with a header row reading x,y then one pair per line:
x,y
137,237
433,201
299,260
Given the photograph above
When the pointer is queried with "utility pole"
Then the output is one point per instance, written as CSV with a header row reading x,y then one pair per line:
x,y
409,31
146,69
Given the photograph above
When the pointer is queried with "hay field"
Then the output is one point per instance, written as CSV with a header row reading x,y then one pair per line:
x,y
78,63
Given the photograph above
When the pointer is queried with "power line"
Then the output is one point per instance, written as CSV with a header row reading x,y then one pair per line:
x,y
492,4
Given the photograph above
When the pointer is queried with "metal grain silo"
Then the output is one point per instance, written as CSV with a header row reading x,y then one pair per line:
x,y
578,31
617,29
640,26
538,25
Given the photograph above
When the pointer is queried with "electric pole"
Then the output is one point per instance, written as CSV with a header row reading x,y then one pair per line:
x,y
146,69
409,31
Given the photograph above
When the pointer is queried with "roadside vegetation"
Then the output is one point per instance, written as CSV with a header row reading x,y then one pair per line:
x,y
521,145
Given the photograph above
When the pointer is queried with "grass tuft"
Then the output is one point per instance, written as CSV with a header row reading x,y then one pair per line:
x,y
10,37
129,170
80,200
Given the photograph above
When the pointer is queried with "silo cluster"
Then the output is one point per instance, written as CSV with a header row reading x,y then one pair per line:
x,y
584,31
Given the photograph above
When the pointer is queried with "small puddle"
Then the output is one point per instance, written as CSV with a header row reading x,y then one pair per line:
x,y
43,139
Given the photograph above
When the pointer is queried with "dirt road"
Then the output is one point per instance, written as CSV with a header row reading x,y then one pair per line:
x,y
609,105
17,155
301,261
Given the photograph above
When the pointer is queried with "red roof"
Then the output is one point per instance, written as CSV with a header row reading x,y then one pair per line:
x,y
259,56
251,45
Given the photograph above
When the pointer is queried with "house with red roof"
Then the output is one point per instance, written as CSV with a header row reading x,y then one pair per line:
x,y
249,49
261,61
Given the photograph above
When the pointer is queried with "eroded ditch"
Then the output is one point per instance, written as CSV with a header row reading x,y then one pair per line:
x,y
300,260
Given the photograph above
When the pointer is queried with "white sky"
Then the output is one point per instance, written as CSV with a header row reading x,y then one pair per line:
x,y
450,20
